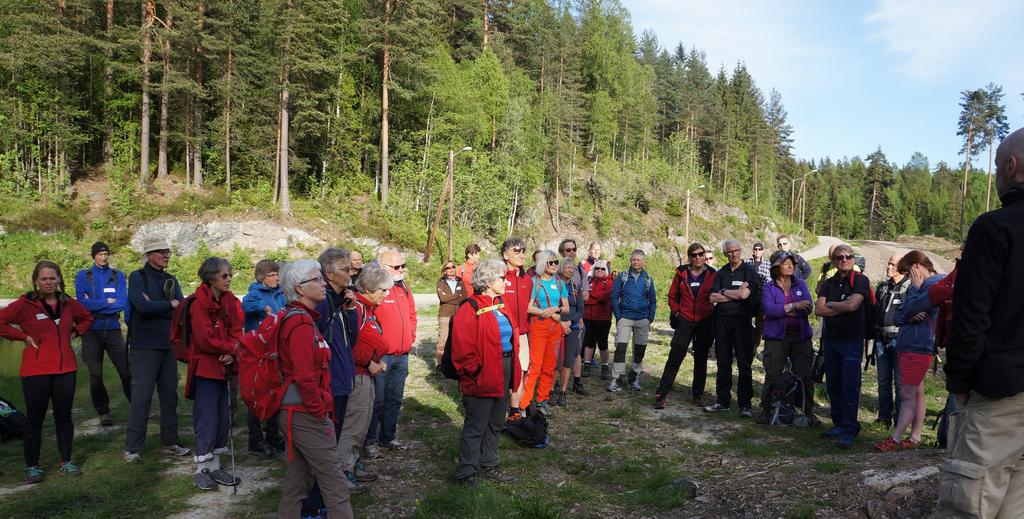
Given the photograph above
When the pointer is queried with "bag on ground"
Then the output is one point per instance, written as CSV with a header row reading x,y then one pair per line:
x,y
530,431
13,423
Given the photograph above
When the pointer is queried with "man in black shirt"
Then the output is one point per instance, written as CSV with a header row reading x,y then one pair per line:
x,y
736,293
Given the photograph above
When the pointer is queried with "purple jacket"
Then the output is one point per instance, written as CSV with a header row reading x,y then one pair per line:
x,y
773,301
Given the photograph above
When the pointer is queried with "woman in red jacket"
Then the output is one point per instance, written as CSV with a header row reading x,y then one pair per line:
x,y
485,352
305,415
215,326
47,320
597,317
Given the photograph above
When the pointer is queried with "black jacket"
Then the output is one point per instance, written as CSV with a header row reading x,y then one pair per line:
x,y
728,279
986,348
890,296
150,324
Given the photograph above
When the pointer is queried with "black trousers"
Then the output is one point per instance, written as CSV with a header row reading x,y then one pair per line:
x,y
39,391
800,354
595,333
699,333
94,344
732,339
152,369
485,417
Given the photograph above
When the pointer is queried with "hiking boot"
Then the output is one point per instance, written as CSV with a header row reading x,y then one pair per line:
x,y
262,449
355,487
606,372
222,477
746,412
659,402
106,420
613,387
635,385
177,450
887,445
563,399
495,474
203,480
715,408
364,476
585,370
395,445
371,452
907,443
69,469
845,441
834,432
131,457
545,408
577,387
764,418
33,475
468,482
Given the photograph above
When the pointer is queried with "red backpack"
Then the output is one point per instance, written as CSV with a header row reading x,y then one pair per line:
x,y
181,330
260,381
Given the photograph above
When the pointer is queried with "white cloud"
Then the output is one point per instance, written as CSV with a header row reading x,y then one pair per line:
x,y
937,35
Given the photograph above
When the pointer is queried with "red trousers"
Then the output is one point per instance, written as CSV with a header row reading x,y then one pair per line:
x,y
545,339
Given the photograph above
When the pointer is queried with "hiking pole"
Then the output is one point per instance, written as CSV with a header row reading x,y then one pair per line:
x,y
229,371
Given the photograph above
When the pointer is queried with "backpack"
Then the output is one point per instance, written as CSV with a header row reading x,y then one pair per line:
x,y
181,330
447,366
787,398
260,382
624,275
530,431
13,423
870,306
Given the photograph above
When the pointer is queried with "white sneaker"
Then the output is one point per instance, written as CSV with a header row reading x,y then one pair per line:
x,y
131,457
614,387
177,450
222,450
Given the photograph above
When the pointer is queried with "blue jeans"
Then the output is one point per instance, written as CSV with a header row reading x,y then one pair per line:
x,y
842,378
389,389
888,378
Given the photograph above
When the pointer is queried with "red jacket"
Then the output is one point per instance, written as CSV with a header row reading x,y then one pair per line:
x,y
598,307
518,286
465,272
397,316
680,296
476,350
216,329
306,359
54,355
371,343
941,294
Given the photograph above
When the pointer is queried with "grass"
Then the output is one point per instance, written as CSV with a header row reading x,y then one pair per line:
x,y
830,466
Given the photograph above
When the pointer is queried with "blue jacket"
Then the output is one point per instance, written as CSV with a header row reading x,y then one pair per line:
x,y
631,299
339,329
254,303
917,337
93,286
575,315
150,325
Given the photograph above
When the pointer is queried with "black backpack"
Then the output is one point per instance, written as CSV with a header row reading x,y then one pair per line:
x,y
530,431
13,423
447,366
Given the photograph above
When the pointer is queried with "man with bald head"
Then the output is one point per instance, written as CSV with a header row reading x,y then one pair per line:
x,y
890,295
397,317
984,474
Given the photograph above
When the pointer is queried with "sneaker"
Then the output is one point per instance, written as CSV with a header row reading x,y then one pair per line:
x,y
262,449
395,445
563,399
834,432
33,475
222,450
203,480
355,487
577,387
715,408
495,474
177,450
746,412
635,385
606,372
131,457
106,420
888,445
545,408
585,371
659,402
907,443
845,441
69,469
362,475
468,482
592,363
371,452
614,387
222,477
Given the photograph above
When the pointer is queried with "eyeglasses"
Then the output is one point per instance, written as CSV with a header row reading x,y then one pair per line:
x,y
567,249
162,252
518,250
552,263
318,279
697,254
396,267
844,256
602,269
227,275
449,267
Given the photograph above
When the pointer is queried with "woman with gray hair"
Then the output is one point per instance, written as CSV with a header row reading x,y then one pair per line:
x,y
485,344
215,324
307,403
549,299
373,285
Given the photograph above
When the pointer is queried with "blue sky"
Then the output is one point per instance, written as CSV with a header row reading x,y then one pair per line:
x,y
856,75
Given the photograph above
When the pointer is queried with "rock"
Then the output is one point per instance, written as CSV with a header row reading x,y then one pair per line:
x,y
773,494
884,480
875,510
897,494
261,236
685,485
2,230
707,500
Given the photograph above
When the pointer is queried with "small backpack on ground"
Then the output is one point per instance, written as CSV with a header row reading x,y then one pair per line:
x,y
530,431
181,330
260,382
787,393
13,423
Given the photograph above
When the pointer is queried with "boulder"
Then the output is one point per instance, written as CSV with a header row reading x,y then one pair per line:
x,y
261,236
685,486
882,480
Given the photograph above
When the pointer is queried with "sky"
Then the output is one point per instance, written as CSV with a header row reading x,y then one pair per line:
x,y
858,75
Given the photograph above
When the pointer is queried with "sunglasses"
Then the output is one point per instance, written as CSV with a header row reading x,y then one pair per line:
x,y
449,267
518,250
697,254
553,263
758,248
226,275
397,267
569,250
602,269
844,256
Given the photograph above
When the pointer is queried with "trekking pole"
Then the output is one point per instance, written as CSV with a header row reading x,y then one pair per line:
x,y
229,371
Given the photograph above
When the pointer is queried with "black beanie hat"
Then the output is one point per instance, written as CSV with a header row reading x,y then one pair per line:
x,y
99,247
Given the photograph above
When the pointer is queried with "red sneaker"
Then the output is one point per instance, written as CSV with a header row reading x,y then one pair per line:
x,y
887,445
909,444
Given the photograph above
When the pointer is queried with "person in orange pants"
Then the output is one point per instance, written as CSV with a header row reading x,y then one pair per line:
x,y
548,300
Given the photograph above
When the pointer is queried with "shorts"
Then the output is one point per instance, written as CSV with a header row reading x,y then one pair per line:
x,y
524,353
913,367
571,348
639,329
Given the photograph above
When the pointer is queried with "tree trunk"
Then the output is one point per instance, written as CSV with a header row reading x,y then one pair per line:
x,y
871,213
165,94
277,153
967,167
147,53
227,124
426,153
487,26
988,192
286,202
108,133
385,75
197,149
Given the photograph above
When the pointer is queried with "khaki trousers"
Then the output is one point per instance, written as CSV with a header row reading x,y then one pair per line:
x,y
984,474
314,454
357,421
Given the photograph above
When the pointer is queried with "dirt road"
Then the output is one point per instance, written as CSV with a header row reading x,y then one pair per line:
x,y
877,253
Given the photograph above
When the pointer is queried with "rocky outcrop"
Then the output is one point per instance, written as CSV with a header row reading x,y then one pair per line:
x,y
259,235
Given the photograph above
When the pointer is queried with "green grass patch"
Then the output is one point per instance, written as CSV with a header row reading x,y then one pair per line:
x,y
830,466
